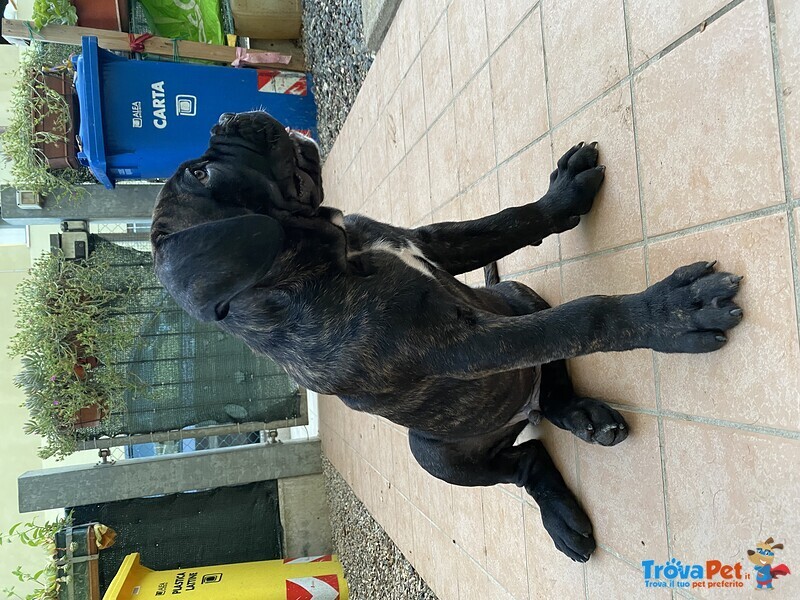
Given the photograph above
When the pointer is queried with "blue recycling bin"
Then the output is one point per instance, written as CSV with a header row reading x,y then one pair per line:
x,y
141,119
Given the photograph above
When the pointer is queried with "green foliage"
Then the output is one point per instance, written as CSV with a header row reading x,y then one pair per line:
x,y
53,12
47,580
70,320
31,103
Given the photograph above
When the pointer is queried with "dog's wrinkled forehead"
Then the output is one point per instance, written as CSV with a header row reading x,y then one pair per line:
x,y
252,164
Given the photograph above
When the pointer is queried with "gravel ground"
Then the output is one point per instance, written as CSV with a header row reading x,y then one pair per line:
x,y
373,566
337,55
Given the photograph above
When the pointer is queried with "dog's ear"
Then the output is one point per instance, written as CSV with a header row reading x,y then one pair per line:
x,y
205,266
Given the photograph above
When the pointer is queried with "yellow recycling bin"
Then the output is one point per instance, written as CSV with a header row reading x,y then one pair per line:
x,y
310,578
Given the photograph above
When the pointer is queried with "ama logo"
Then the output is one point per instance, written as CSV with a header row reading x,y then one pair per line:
x,y
762,558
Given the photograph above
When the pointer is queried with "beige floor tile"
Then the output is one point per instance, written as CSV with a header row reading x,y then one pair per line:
x,y
400,457
518,94
480,200
405,515
445,579
755,378
394,123
502,17
387,63
466,25
430,12
707,126
634,467
407,22
443,157
374,159
655,25
498,592
398,191
609,577
729,489
418,187
505,541
468,522
384,461
561,447
550,573
474,130
616,216
379,496
627,377
546,283
473,582
787,22
524,179
432,496
414,124
379,205
449,212
352,188
436,78
585,47
424,558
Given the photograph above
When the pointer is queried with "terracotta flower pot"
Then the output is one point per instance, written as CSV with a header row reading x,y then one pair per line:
x,y
102,14
89,416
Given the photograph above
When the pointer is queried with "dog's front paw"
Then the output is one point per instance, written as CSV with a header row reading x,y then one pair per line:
x,y
573,186
568,525
691,310
591,420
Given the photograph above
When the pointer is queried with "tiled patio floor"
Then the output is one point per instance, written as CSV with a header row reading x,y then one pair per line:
x,y
696,105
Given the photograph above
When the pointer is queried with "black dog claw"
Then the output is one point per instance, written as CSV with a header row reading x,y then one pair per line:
x,y
710,265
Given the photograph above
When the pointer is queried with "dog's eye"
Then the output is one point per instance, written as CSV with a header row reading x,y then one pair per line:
x,y
200,174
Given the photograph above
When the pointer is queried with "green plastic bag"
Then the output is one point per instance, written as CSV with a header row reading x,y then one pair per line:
x,y
196,20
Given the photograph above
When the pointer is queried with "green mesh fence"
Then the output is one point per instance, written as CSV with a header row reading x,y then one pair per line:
x,y
190,374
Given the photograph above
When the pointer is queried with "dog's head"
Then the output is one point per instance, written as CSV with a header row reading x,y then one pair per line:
x,y
217,224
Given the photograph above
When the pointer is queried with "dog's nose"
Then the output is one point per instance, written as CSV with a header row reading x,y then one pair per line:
x,y
226,118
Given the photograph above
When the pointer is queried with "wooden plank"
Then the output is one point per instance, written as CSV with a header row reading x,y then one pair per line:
x,y
117,40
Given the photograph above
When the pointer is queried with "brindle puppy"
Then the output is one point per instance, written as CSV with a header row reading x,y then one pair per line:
x,y
373,313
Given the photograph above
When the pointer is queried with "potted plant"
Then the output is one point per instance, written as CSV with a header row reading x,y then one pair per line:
x,y
49,579
41,123
53,12
71,326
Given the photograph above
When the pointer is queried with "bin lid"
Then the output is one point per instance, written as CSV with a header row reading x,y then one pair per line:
x,y
130,574
87,84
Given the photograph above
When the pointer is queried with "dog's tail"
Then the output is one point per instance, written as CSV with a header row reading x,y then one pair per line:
x,y
491,275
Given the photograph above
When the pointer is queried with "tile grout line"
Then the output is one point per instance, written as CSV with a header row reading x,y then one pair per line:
x,y
722,423
784,148
646,255
702,228
612,88
488,67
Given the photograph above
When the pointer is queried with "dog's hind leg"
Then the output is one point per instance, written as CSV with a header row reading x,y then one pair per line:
x,y
482,462
592,420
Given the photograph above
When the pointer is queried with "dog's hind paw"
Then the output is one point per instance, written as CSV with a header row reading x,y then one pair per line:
x,y
568,525
591,420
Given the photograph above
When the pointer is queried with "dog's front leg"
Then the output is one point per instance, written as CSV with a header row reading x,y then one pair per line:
x,y
461,247
689,312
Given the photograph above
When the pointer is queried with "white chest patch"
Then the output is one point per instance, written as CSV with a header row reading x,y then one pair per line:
x,y
409,254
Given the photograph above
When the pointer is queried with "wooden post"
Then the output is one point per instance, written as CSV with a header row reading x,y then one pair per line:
x,y
119,41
